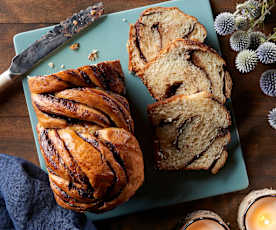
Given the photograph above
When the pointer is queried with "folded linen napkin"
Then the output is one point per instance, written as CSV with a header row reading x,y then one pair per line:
x,y
27,202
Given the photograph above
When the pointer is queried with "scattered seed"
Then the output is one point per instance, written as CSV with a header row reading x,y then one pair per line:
x,y
75,46
93,55
51,65
93,12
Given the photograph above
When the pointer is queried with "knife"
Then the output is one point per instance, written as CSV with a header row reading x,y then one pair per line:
x,y
53,39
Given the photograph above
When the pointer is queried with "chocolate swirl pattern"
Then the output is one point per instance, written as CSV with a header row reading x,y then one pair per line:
x,y
85,135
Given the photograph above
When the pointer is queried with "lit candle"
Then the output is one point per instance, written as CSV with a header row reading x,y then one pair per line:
x,y
258,211
204,220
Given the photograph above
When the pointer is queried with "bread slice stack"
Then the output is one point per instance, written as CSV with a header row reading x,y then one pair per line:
x,y
155,29
190,82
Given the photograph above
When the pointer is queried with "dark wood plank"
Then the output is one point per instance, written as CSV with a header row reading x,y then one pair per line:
x,y
250,105
45,11
12,103
17,138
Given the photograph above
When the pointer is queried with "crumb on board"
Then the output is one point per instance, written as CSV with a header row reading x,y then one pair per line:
x,y
62,66
51,65
124,20
93,12
75,46
93,55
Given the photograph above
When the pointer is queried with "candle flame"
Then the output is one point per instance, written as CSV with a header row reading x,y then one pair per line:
x,y
265,220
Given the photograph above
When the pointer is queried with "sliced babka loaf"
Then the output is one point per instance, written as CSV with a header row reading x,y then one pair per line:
x,y
155,29
187,67
191,132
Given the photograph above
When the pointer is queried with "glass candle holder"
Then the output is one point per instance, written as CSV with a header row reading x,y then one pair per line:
x,y
257,210
203,220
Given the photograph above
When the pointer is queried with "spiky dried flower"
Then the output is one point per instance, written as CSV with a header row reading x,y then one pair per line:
x,y
246,61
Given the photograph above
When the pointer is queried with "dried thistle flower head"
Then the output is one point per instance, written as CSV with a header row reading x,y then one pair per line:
x,y
246,61
267,53
256,39
252,9
272,118
241,22
225,23
239,40
268,82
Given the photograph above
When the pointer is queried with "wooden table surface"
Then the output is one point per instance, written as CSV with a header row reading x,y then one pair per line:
x,y
251,107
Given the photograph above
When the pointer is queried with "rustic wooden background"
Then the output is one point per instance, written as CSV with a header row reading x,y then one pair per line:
x,y
250,105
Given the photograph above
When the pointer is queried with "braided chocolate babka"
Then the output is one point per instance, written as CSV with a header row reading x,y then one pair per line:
x,y
85,132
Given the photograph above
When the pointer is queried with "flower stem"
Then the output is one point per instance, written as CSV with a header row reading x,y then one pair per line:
x,y
262,17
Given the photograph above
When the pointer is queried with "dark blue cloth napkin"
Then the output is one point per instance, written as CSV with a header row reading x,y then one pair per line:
x,y
27,202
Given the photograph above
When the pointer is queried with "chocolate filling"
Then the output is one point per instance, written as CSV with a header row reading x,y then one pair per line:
x,y
191,29
137,41
72,106
74,168
116,155
100,76
117,107
119,160
67,104
202,69
181,128
48,149
222,73
222,132
216,160
95,144
68,120
171,90
70,200
86,78
59,79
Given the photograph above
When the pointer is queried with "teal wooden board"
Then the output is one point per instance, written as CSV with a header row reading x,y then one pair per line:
x,y
109,35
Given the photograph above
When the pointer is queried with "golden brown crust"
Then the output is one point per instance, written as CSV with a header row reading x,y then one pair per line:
x,y
92,172
220,163
129,151
101,101
87,172
132,43
106,75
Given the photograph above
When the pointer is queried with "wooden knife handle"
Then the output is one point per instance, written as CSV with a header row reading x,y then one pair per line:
x,y
6,79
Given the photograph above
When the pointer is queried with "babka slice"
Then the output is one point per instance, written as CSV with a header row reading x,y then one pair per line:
x,y
155,29
191,132
187,67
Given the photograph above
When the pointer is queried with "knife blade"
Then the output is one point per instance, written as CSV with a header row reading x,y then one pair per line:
x,y
53,39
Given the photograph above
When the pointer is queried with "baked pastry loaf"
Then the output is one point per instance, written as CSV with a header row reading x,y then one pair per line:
x,y
155,29
187,67
106,75
85,135
191,132
91,170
